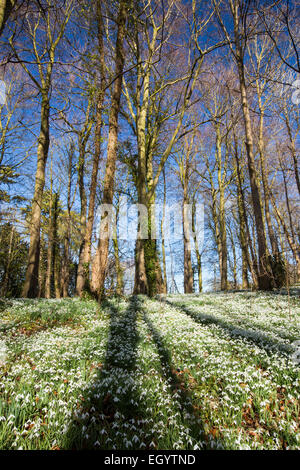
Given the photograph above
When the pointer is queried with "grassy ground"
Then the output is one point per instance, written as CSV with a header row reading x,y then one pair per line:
x,y
193,372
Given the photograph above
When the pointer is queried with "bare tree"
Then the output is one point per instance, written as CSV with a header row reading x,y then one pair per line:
x,y
243,30
109,179
53,28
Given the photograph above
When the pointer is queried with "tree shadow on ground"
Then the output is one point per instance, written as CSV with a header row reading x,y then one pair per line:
x,y
257,337
103,405
190,409
251,422
113,411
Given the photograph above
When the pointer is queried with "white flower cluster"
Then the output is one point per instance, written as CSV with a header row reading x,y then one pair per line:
x,y
211,371
3,350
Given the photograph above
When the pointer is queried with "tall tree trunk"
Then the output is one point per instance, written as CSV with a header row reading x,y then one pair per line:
x,y
188,270
81,276
141,285
234,269
264,280
65,271
42,268
223,261
244,248
50,248
220,236
152,261
163,248
165,279
140,279
56,253
261,148
119,270
31,284
109,179
152,266
265,275
221,218
198,254
5,284
65,278
243,242
118,267
85,259
245,237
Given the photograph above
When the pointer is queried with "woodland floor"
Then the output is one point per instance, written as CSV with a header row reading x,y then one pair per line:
x,y
214,371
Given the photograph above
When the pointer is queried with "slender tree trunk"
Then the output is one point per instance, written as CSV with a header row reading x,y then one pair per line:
x,y
81,276
245,236
163,248
261,148
218,237
222,224
50,248
109,179
243,242
234,261
198,255
118,267
119,270
85,259
42,270
221,217
165,280
84,277
245,253
140,280
56,253
5,284
188,270
65,271
30,288
264,280
265,275
65,277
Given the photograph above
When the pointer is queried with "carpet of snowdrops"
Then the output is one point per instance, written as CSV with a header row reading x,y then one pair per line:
x,y
214,371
